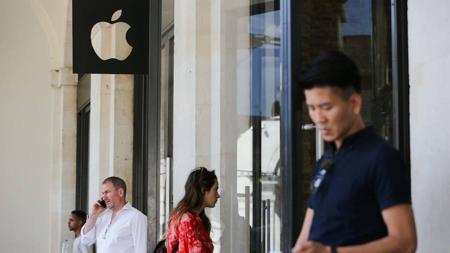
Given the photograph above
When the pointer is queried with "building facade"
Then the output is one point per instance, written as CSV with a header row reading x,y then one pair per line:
x,y
221,93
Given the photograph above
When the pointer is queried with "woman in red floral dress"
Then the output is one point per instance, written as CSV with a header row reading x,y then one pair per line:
x,y
189,227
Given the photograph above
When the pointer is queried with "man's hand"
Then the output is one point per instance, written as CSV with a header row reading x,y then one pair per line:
x,y
303,237
311,247
97,208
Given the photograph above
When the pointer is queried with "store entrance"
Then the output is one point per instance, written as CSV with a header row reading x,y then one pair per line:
x,y
362,30
224,79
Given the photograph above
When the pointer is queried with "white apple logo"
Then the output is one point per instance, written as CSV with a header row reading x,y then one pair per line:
x,y
109,39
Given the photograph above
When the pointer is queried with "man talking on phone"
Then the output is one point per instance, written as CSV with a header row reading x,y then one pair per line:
x,y
116,227
360,199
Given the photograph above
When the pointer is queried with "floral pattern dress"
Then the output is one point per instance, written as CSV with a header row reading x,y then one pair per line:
x,y
190,234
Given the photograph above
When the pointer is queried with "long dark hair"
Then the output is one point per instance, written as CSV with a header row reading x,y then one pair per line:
x,y
199,181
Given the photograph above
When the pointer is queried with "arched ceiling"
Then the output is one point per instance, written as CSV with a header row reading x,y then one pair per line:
x,y
55,17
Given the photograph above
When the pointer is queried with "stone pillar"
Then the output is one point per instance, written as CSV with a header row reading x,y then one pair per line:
x,y
111,131
184,94
64,142
123,129
429,89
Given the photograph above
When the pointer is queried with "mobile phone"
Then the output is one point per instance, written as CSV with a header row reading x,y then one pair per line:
x,y
102,203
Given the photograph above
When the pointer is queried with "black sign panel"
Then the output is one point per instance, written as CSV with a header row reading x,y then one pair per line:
x,y
116,16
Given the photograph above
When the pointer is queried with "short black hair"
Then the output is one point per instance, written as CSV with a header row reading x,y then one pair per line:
x,y
117,183
331,69
80,214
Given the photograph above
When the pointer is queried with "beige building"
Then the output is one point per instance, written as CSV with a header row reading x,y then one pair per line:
x,y
224,98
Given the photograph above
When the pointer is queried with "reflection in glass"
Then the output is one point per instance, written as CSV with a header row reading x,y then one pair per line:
x,y
228,85
361,29
258,147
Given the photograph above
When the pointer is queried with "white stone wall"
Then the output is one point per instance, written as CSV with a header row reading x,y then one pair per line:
x,y
429,63
38,108
26,106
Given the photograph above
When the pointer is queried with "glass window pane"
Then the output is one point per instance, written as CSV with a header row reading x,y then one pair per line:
x,y
361,29
229,78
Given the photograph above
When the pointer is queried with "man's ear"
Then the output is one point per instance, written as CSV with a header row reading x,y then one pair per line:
x,y
356,100
120,192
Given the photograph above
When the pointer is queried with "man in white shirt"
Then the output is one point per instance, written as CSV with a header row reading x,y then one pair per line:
x,y
119,227
76,220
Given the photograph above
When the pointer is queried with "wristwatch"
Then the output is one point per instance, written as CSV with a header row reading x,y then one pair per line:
x,y
333,249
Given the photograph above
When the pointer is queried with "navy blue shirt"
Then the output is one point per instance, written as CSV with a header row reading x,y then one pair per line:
x,y
367,176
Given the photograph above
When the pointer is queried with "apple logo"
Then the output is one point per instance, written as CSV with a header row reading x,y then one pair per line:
x,y
109,39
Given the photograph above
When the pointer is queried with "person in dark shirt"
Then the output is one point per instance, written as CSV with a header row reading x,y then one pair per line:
x,y
361,192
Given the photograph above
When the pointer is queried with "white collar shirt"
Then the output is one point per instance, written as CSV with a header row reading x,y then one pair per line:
x,y
127,233
78,247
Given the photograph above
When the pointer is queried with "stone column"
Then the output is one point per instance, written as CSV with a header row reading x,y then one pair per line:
x,y
184,94
64,142
111,131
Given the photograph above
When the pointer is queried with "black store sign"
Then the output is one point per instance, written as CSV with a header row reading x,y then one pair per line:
x,y
120,24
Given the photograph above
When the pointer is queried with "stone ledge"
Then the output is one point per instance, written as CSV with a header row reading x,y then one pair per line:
x,y
63,77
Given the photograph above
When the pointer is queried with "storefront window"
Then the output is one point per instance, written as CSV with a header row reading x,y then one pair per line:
x,y
222,94
226,79
362,30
